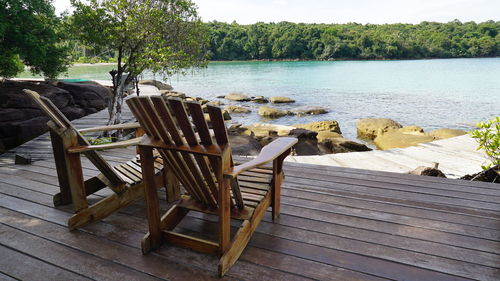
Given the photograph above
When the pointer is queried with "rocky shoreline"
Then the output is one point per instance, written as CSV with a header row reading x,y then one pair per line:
x,y
315,138
21,120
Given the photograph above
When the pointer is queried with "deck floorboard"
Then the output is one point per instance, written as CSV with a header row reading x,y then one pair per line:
x,y
336,224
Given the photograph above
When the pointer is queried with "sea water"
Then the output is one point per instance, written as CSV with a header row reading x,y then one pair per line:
x,y
438,93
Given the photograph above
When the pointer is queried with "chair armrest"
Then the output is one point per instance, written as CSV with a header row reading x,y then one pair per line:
x,y
111,127
266,155
119,144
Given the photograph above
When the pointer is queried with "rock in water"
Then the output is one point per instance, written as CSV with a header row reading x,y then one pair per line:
x,y
369,128
157,84
446,133
309,110
328,126
398,139
260,99
237,97
427,171
236,109
281,100
272,112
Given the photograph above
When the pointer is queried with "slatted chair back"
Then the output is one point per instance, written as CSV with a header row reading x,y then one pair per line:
x,y
191,152
61,125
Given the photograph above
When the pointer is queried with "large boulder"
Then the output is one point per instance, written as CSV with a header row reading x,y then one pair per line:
x,y
12,95
309,110
158,84
271,112
21,119
370,128
90,97
236,109
237,97
329,126
281,100
446,133
399,139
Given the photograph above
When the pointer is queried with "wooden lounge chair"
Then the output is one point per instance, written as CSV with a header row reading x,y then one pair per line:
x,y
205,168
125,179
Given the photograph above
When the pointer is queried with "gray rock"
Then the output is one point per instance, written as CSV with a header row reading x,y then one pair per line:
x,y
428,171
244,145
158,84
278,99
236,109
260,99
271,112
237,97
309,110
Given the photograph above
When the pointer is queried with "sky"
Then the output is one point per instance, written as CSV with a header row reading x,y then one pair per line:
x,y
341,11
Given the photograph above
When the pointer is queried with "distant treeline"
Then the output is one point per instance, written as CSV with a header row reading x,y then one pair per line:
x,y
287,40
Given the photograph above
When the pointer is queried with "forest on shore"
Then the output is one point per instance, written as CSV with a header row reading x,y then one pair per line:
x,y
286,40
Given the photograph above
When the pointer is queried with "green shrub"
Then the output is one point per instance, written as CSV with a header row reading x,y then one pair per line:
x,y
488,137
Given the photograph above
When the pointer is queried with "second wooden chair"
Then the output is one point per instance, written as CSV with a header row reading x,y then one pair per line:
x,y
205,167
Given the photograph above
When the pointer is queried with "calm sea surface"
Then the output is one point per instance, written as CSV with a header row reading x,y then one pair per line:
x,y
441,93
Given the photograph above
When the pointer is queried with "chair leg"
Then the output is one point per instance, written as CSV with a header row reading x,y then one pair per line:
x,y
240,241
243,236
105,207
151,194
276,195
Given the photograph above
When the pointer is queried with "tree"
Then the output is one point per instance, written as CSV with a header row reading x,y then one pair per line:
x,y
164,36
29,35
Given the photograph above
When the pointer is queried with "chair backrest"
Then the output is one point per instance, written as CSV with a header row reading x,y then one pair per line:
x,y
62,123
189,149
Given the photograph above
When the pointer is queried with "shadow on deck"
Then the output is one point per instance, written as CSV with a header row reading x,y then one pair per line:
x,y
336,224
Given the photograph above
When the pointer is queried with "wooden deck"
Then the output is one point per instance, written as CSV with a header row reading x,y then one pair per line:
x,y
336,224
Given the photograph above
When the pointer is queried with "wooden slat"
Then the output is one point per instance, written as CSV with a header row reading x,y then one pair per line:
x,y
200,172
182,160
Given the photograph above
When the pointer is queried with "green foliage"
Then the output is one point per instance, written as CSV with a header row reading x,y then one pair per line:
x,y
488,137
99,140
30,34
164,36
287,40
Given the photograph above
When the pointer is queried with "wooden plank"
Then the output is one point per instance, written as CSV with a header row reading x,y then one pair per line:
x,y
360,263
174,263
66,257
95,256
31,269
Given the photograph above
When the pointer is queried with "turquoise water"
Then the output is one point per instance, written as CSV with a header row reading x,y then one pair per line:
x,y
452,93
